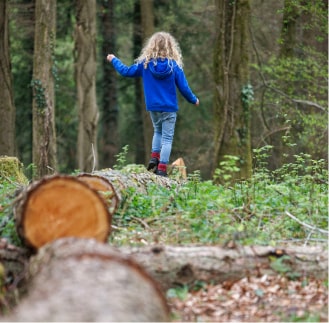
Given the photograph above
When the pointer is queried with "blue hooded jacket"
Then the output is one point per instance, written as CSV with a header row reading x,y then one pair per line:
x,y
160,79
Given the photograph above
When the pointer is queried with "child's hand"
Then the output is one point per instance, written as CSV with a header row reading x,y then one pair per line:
x,y
197,102
110,57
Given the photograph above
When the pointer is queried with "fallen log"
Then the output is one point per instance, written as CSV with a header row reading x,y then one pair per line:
x,y
134,178
172,266
184,265
60,206
76,206
82,280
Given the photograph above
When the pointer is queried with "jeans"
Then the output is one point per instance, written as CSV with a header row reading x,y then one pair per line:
x,y
164,128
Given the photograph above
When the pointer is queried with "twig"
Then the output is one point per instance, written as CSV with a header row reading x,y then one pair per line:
x,y
94,157
308,237
301,240
307,225
141,221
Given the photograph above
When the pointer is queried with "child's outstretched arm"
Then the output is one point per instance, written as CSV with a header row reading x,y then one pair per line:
x,y
109,57
134,70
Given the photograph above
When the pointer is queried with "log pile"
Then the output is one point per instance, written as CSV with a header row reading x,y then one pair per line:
x,y
76,206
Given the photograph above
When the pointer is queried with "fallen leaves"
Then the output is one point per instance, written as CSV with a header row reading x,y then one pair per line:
x,y
255,299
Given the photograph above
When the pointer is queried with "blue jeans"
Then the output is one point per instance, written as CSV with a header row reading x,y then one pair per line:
x,y
164,128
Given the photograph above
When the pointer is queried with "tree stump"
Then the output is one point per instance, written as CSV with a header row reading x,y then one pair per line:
x,y
82,280
60,206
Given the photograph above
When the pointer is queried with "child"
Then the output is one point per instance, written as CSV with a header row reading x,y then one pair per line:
x,y
161,67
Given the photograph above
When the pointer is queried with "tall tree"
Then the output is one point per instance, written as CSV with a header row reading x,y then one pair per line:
x,y
85,76
231,74
139,101
44,73
7,106
291,13
110,137
147,22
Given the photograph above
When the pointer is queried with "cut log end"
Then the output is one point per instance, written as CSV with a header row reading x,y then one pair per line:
x,y
104,188
62,206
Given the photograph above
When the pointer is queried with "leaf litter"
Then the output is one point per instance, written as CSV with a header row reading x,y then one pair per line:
x,y
255,299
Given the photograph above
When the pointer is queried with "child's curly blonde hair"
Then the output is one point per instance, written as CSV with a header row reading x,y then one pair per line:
x,y
161,45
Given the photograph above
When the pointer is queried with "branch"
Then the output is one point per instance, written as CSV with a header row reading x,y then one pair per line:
x,y
265,82
307,225
310,103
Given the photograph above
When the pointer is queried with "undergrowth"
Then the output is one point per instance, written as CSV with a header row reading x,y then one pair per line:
x,y
287,205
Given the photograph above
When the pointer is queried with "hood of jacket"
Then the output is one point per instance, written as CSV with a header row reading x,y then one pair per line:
x,y
161,68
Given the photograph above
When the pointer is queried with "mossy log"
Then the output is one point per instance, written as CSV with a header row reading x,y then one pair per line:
x,y
135,178
83,280
12,169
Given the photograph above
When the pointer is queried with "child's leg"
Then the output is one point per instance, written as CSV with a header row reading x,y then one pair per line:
x,y
157,128
156,140
168,130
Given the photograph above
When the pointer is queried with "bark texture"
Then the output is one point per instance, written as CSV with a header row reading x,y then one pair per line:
x,y
81,280
85,76
44,136
136,179
7,106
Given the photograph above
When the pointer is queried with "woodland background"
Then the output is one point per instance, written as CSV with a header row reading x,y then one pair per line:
x,y
260,71
286,84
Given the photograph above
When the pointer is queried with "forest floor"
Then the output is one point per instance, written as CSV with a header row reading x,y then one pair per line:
x,y
254,299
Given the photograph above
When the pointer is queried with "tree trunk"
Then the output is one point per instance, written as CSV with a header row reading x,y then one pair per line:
x,y
147,21
7,106
179,265
82,280
85,76
44,137
139,105
60,206
289,28
110,137
231,74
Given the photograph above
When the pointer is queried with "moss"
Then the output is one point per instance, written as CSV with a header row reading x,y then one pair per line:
x,y
11,167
